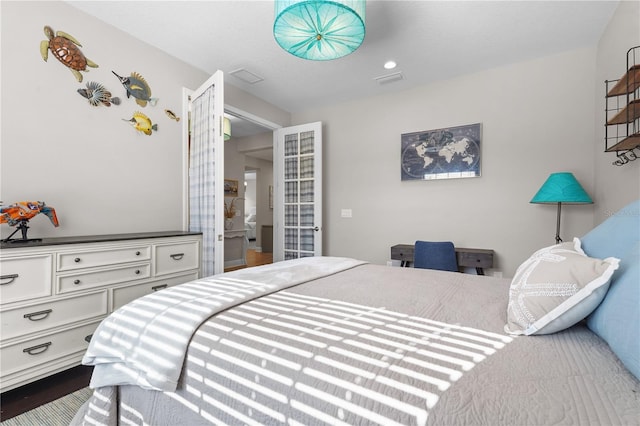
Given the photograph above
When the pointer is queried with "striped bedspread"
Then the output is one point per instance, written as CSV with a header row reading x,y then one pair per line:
x,y
371,345
144,342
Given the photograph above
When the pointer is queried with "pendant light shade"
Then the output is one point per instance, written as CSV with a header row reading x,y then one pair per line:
x,y
319,30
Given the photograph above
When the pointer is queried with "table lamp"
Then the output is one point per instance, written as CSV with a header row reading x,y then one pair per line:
x,y
560,188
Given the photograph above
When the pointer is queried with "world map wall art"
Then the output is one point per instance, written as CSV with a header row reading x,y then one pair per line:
x,y
452,152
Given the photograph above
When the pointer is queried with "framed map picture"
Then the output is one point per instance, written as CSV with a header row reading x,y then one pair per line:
x,y
453,152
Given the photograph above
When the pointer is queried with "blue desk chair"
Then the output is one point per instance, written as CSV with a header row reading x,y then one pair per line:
x,y
439,255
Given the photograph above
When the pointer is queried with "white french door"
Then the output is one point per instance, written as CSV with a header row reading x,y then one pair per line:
x,y
298,192
206,171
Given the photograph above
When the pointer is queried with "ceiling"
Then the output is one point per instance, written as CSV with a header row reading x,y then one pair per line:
x,y
429,40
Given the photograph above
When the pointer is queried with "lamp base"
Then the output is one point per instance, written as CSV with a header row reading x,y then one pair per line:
x,y
558,239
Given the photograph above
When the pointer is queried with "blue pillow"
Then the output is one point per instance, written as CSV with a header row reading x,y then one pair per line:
x,y
615,236
617,319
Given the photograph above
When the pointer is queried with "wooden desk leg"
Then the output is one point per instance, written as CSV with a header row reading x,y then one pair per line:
x,y
480,271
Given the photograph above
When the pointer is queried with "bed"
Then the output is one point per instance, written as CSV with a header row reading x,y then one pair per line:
x,y
250,226
332,340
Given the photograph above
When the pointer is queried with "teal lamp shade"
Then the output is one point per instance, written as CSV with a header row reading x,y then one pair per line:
x,y
319,30
560,188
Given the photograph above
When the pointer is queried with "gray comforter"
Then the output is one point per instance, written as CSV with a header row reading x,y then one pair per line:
x,y
381,345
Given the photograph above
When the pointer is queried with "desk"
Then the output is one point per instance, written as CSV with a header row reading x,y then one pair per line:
x,y
266,238
467,257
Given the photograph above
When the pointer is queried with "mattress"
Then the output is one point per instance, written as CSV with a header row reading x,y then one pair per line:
x,y
250,228
380,345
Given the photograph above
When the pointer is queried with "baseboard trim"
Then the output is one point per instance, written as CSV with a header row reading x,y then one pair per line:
x,y
234,263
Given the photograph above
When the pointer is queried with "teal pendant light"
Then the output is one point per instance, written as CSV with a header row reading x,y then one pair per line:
x,y
319,30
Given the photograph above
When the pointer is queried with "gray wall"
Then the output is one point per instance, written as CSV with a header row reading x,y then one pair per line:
x,y
99,174
537,118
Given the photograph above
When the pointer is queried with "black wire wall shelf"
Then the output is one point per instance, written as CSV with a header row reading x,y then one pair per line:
x,y
622,127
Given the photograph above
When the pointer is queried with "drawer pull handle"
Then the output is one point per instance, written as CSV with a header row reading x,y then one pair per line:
x,y
77,260
76,282
177,256
11,278
40,314
38,349
137,271
159,287
88,338
137,253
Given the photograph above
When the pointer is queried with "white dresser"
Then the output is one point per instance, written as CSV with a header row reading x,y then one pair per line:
x,y
54,293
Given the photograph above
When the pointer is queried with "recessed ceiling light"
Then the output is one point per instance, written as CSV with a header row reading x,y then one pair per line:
x,y
389,65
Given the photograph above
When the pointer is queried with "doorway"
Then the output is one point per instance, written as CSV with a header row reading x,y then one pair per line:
x,y
249,160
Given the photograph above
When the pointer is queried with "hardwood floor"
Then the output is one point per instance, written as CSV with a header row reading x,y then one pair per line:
x,y
28,397
254,258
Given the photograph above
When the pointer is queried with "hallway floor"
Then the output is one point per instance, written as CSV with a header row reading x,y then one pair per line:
x,y
254,258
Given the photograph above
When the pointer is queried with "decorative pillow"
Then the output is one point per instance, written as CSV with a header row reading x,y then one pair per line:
x,y
617,319
555,288
616,235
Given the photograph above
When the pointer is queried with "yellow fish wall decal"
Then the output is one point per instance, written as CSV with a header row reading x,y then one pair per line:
x,y
142,123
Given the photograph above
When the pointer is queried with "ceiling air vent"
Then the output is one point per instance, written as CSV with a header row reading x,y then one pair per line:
x,y
389,78
246,76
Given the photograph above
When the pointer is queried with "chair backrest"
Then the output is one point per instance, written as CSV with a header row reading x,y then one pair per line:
x,y
439,255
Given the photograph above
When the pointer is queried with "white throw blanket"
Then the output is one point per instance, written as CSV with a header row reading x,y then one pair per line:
x,y
144,342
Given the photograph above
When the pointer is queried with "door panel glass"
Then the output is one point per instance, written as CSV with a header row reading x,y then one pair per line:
x,y
291,145
290,239
306,167
306,239
306,191
291,168
306,215
291,215
291,192
306,142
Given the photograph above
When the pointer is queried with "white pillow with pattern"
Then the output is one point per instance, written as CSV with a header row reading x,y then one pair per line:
x,y
555,288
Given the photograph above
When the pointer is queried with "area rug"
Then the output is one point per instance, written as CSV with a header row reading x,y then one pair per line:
x,y
56,413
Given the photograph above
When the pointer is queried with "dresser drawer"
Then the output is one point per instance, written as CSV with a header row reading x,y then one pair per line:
x,y
41,350
43,316
90,259
96,278
475,258
124,295
25,278
172,258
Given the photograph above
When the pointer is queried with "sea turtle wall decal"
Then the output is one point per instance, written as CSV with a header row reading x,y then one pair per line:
x,y
67,50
